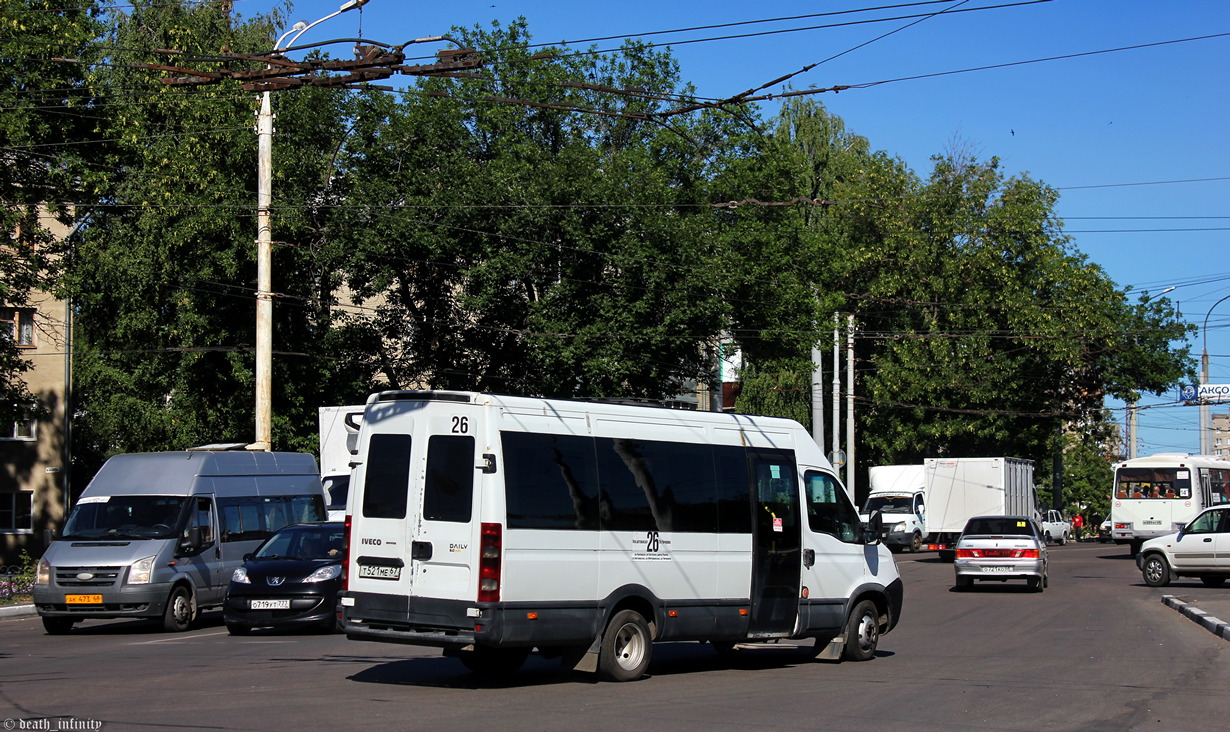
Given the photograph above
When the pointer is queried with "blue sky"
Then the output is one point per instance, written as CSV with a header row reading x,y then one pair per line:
x,y
1110,130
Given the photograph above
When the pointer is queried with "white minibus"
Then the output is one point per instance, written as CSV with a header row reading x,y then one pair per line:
x,y
1159,494
490,526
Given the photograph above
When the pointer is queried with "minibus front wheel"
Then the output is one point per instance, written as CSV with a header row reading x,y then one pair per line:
x,y
178,614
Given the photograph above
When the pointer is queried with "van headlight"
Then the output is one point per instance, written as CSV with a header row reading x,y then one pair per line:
x,y
141,571
324,574
42,576
898,527
240,575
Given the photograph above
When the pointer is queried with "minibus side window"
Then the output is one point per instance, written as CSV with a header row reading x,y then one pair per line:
x,y
734,490
550,481
448,492
386,482
828,509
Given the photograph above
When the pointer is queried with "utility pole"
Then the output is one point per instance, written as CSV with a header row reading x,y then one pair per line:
x,y
850,405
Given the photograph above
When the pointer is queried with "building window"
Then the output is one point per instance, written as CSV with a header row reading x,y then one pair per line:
x,y
17,324
15,513
22,429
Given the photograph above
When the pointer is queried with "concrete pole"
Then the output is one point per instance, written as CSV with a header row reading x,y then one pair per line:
x,y
264,278
836,422
817,396
850,406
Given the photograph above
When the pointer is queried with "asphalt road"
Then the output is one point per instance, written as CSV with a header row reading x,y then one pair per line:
x,y
1097,651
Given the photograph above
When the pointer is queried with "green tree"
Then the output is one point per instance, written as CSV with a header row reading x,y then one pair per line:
x,y
42,105
165,274
501,240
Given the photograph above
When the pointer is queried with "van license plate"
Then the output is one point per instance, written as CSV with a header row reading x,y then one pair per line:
x,y
83,599
268,604
368,571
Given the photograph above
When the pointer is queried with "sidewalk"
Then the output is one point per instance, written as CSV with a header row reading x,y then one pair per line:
x,y
1207,612
15,611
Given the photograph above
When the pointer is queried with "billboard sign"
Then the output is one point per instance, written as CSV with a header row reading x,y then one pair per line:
x,y
1204,394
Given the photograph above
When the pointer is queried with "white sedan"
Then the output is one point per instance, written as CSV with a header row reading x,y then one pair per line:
x,y
1001,548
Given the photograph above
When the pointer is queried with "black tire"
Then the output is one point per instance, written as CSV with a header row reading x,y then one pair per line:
x,y
915,543
1063,539
494,662
57,626
964,583
1034,584
1155,571
1213,581
1134,547
178,614
238,628
1048,538
862,633
626,647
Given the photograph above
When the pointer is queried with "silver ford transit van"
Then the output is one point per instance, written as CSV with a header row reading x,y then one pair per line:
x,y
157,535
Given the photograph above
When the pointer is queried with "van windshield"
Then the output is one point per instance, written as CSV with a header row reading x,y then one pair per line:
x,y
124,517
888,504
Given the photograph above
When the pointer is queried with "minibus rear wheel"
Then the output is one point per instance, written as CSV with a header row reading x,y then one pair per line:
x,y
626,647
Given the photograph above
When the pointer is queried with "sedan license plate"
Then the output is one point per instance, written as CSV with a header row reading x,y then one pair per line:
x,y
996,568
83,599
370,571
268,604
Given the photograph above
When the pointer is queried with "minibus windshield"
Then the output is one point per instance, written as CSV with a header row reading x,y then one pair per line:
x,y
103,518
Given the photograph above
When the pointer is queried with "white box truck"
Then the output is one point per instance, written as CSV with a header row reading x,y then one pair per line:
x,y
960,488
898,492
339,440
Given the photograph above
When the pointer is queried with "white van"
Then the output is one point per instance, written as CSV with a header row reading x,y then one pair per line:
x,y
157,535
489,526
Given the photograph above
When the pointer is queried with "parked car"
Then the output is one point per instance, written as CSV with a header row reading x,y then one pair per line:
x,y
291,580
1199,549
1056,527
1001,548
1104,530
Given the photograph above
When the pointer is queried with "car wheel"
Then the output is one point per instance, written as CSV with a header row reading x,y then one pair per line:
x,y
1213,581
494,662
964,583
178,615
1156,571
238,628
1034,584
862,632
1048,538
1063,538
626,647
916,543
57,626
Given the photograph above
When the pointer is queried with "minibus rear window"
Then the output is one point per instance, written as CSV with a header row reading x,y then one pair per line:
x,y
386,483
448,493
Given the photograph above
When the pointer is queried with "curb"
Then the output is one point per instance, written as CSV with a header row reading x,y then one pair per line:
x,y
14,611
1216,626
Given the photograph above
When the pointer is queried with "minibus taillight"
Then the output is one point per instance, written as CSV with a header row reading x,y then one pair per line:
x,y
346,554
490,553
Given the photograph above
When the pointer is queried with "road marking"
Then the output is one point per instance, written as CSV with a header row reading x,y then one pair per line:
x,y
178,639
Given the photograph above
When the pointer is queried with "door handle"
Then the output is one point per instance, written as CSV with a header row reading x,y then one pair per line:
x,y
420,550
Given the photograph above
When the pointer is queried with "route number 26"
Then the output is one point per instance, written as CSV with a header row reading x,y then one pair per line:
x,y
461,425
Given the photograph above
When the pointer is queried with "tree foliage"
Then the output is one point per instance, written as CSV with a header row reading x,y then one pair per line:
x,y
41,104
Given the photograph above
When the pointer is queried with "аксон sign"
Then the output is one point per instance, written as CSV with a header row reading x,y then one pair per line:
x,y
1205,393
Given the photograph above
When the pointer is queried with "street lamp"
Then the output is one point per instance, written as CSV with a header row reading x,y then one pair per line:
x,y
264,245
1206,429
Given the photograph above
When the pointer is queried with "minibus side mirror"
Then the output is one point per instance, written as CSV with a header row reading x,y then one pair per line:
x,y
192,543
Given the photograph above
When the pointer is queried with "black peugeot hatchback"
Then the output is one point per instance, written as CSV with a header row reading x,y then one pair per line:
x,y
291,580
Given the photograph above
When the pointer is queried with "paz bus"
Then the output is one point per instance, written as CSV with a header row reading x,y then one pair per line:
x,y
493,526
1157,495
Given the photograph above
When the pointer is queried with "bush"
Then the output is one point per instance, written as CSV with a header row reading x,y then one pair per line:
x,y
18,579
